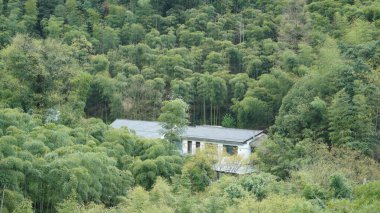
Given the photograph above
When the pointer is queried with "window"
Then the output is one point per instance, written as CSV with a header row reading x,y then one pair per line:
x,y
197,144
189,147
231,150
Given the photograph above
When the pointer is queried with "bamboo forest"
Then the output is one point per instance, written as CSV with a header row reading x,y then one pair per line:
x,y
303,74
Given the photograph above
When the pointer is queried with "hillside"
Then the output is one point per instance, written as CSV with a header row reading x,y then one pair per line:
x,y
305,71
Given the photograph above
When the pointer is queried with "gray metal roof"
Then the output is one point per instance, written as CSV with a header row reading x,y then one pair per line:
x,y
145,129
152,129
216,133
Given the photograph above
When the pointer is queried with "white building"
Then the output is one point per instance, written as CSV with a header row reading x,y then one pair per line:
x,y
231,141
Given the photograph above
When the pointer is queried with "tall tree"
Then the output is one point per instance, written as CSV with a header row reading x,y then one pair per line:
x,y
30,16
294,23
174,118
351,122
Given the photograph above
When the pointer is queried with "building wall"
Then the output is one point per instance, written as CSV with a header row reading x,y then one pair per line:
x,y
244,150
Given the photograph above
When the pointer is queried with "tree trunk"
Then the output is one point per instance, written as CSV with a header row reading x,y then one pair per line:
x,y
215,123
211,113
106,109
194,111
204,110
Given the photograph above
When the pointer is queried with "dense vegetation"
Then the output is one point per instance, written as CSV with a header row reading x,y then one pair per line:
x,y
306,70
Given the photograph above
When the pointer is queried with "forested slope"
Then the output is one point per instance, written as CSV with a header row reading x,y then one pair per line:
x,y
307,71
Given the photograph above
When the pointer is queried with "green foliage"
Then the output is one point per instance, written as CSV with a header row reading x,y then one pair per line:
x,y
234,192
24,207
228,121
340,187
350,121
199,172
366,199
44,76
306,70
314,192
132,34
368,192
155,40
14,117
86,160
99,63
274,204
105,38
12,200
68,205
277,155
174,118
252,113
259,185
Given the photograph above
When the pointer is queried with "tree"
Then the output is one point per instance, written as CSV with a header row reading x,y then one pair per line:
x,y
171,66
30,17
260,184
117,16
199,172
189,39
1,7
54,27
350,122
106,38
132,34
213,90
228,121
24,207
214,62
43,70
105,92
239,85
277,156
174,118
340,187
217,98
252,113
161,194
99,63
182,89
137,200
73,16
340,114
294,23
70,204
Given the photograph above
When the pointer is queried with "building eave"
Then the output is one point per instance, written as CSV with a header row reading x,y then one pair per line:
x,y
212,140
